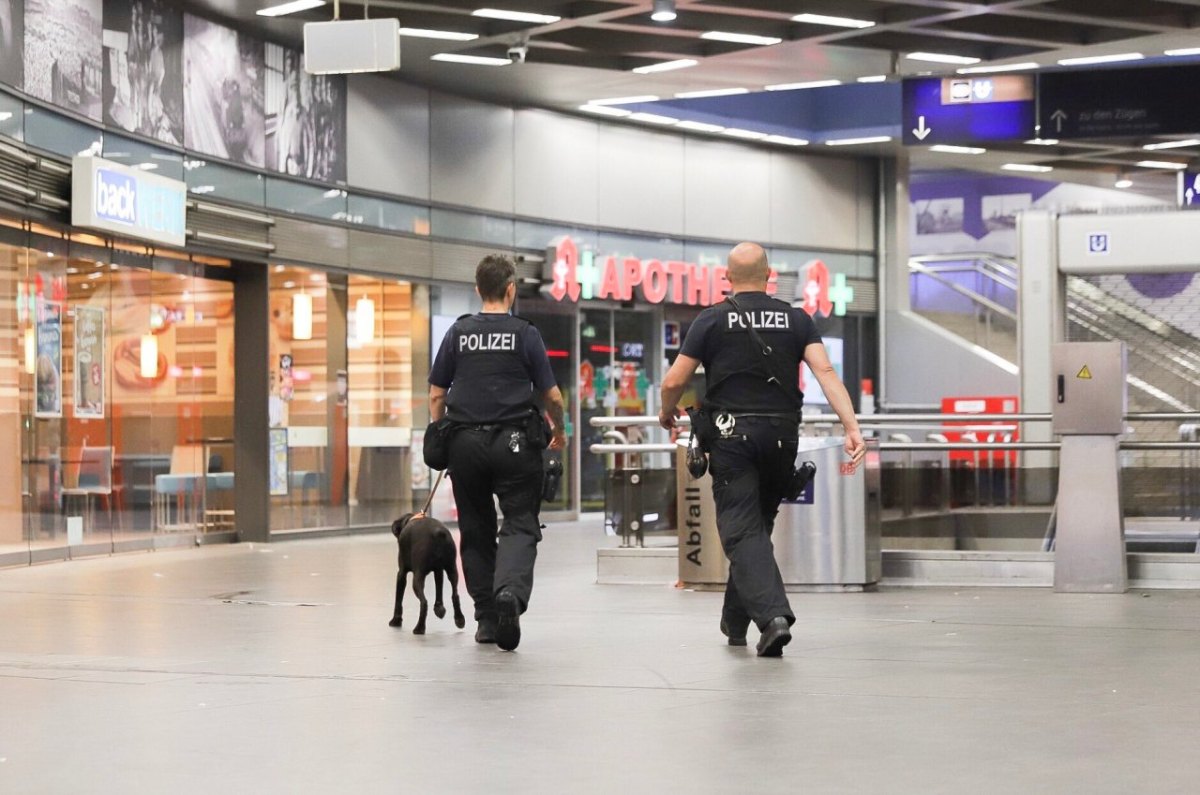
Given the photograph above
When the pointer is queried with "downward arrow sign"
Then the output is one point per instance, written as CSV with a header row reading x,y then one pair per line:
x,y
921,131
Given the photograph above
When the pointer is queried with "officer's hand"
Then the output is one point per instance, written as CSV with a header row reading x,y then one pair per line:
x,y
558,440
856,448
666,417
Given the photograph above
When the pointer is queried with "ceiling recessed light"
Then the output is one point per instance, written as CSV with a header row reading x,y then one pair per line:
x,y
625,100
515,16
836,22
712,92
664,11
942,57
666,66
1026,167
289,8
809,84
871,139
1042,142
699,126
740,38
873,79
1172,145
476,60
604,110
448,35
957,150
1162,164
1096,59
1123,182
652,118
1185,51
785,140
984,70
749,135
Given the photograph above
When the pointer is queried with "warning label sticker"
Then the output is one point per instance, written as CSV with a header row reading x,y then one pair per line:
x,y
1085,373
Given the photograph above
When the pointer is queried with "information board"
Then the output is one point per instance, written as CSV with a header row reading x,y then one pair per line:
x,y
968,110
1119,102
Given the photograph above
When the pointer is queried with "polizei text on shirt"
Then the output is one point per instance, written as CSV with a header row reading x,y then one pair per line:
x,y
488,341
759,319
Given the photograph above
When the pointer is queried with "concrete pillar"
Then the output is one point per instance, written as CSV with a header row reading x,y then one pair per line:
x,y
892,256
251,394
1041,322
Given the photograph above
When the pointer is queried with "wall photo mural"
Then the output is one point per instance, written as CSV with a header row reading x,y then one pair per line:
x,y
62,53
12,36
223,92
146,67
143,68
306,118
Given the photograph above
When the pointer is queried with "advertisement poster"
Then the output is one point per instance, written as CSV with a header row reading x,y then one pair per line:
x,y
287,385
279,462
343,388
89,362
49,360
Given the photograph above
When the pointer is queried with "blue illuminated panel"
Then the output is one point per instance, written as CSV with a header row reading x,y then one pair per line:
x,y
968,110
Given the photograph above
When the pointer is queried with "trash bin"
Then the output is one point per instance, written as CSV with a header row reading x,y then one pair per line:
x,y
829,539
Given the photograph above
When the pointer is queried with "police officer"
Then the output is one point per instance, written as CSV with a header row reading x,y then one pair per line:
x,y
753,395
486,379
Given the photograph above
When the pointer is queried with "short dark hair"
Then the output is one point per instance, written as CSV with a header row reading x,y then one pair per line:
x,y
493,275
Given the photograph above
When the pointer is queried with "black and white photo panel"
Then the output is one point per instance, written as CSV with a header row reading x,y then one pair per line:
x,y
143,68
306,118
223,92
12,36
62,53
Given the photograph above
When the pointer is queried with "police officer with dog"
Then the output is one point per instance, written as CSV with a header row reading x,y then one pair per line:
x,y
751,346
486,380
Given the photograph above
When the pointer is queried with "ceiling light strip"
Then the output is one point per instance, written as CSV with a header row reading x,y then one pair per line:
x,y
799,86
835,22
1099,59
665,66
740,38
872,139
987,70
711,92
475,60
447,35
1162,164
293,7
942,57
1027,167
515,16
1172,145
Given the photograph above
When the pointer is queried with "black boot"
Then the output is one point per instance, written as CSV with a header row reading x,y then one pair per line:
x,y
508,632
734,630
486,631
775,635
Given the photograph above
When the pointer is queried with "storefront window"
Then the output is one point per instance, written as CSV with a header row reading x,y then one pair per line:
x,y
341,399
118,382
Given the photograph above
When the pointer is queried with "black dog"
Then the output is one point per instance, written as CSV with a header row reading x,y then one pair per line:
x,y
425,546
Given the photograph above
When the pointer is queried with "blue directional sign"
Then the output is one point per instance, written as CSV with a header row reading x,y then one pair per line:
x,y
968,110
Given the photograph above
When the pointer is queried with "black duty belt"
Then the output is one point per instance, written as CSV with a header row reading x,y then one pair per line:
x,y
789,417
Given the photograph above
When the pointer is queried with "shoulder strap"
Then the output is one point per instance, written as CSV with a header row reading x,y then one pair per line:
x,y
767,351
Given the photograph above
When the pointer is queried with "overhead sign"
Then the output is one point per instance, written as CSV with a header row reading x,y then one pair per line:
x,y
127,201
1115,102
968,110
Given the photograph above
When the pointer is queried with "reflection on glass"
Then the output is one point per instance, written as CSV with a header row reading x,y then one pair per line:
x,y
105,450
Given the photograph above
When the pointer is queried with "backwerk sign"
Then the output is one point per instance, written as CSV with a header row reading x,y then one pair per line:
x,y
127,201
576,275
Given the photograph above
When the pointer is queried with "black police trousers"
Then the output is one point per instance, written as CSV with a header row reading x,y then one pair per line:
x,y
750,472
482,463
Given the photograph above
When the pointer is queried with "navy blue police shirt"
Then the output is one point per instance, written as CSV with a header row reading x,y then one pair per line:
x,y
734,365
490,364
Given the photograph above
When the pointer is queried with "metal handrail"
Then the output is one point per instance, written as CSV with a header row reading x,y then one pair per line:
x,y
987,303
901,419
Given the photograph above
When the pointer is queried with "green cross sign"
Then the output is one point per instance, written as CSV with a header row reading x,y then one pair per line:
x,y
841,294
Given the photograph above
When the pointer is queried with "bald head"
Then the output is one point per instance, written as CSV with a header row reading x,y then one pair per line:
x,y
748,268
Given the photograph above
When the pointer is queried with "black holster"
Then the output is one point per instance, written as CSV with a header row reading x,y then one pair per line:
x,y
801,477
537,430
436,447
550,480
704,429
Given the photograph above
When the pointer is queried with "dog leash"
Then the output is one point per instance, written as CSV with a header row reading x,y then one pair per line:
x,y
432,492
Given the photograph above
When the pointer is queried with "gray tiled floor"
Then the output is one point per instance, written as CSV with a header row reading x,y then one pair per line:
x,y
201,671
